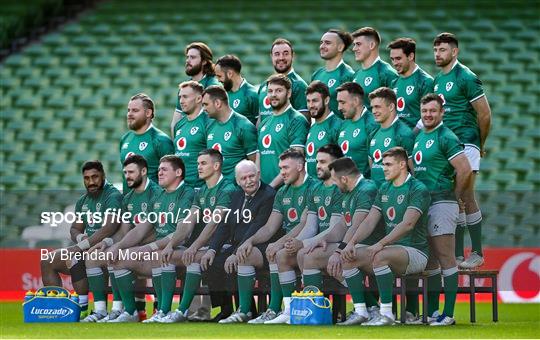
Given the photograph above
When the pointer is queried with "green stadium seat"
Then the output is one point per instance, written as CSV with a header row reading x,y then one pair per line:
x,y
525,57
512,25
36,50
521,186
73,29
511,46
54,40
104,61
129,30
112,40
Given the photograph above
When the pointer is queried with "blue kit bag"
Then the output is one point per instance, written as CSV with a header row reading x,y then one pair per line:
x,y
310,307
51,304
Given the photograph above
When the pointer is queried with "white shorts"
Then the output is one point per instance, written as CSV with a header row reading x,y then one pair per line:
x,y
473,155
417,260
442,218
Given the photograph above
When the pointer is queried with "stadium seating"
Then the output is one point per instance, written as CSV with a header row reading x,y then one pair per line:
x,y
64,98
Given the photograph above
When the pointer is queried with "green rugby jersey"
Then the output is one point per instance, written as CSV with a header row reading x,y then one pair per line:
x,y
320,134
245,101
190,139
354,140
276,134
109,198
379,74
409,90
208,199
393,201
235,138
205,81
140,202
291,201
397,134
333,79
151,144
458,89
431,155
324,201
170,208
298,95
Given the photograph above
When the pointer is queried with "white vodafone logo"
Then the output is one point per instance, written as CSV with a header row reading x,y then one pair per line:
x,y
345,146
129,154
310,148
217,147
391,213
418,157
377,156
400,104
442,97
266,103
181,143
519,278
267,141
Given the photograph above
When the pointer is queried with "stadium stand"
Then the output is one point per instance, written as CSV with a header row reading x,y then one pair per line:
x,y
64,97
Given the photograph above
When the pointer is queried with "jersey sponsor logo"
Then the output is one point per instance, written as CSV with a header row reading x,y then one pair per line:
x,y
409,89
348,218
387,141
125,145
210,136
322,213
267,141
212,200
400,104
331,82
292,215
310,149
300,200
377,155
144,206
194,130
436,87
266,103
181,143
227,135
355,133
321,135
279,127
368,81
391,213
400,199
342,134
98,207
429,143
235,103
142,145
328,200
129,154
384,198
373,141
171,206
516,272
263,128
137,219
317,199
442,97
449,86
162,219
345,146
179,131
217,147
418,157
286,201
415,145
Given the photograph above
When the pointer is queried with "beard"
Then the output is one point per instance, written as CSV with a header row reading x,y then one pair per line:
x,y
319,113
279,105
96,192
227,84
194,70
136,182
282,69
323,175
136,124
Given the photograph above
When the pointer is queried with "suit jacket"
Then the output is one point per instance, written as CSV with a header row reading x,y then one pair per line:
x,y
235,230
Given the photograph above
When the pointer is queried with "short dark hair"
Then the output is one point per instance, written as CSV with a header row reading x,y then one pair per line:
x,y
148,103
407,45
280,79
397,152
216,156
385,93
216,92
93,165
230,62
176,162
294,154
206,55
430,97
332,149
344,167
345,37
352,88
139,160
446,37
281,41
369,32
195,86
318,86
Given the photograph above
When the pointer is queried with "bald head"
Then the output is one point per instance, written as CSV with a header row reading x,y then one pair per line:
x,y
248,176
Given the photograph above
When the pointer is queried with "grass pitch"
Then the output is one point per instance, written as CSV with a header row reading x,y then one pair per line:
x,y
516,321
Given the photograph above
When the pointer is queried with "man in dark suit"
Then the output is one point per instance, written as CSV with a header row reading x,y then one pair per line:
x,y
250,208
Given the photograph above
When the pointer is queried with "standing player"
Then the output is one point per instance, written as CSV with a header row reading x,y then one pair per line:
x,y
412,84
286,128
374,72
191,132
199,68
232,134
243,97
440,163
289,210
468,115
357,126
282,55
326,126
144,138
393,132
334,44
403,203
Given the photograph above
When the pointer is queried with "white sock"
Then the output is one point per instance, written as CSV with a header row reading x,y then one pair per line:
x,y
287,304
100,307
361,309
117,305
83,300
386,310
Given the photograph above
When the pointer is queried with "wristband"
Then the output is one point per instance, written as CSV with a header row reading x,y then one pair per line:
x,y
84,244
108,241
79,237
342,245
153,246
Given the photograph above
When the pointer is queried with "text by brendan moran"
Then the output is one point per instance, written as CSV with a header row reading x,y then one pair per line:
x,y
123,255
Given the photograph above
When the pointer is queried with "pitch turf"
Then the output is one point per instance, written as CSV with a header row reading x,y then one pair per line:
x,y
516,321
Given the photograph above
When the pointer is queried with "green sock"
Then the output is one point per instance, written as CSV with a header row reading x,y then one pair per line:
x,y
276,295
168,284
96,283
474,223
355,281
412,298
125,280
450,277
460,235
312,277
156,282
114,285
434,290
193,281
385,282
287,281
246,280
372,298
